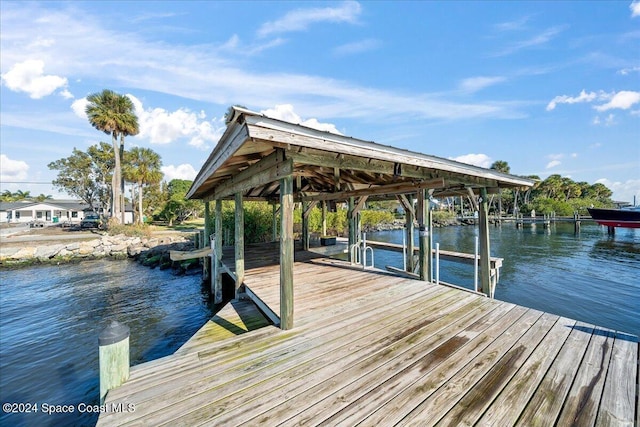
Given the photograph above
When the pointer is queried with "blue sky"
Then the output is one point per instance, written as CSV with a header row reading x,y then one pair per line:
x,y
549,87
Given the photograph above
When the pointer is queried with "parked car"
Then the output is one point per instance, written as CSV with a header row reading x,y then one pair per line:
x,y
91,221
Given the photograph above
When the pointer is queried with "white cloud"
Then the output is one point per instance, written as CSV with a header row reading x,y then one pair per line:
x,y
12,170
554,160
210,74
635,8
79,107
608,121
515,25
29,77
623,191
564,99
623,100
285,113
66,94
481,160
183,171
301,19
357,47
629,70
553,164
474,84
163,127
160,126
537,40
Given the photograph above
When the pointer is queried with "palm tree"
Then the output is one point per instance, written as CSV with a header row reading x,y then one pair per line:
x,y
143,168
113,114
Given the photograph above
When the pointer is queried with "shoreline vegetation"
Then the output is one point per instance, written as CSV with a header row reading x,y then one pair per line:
x,y
150,245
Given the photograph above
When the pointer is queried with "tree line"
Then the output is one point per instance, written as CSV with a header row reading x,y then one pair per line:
x,y
555,194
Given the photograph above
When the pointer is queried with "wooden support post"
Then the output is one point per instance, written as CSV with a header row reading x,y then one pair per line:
x,y
409,219
217,260
286,253
424,239
113,345
483,224
239,246
324,217
352,228
206,264
275,221
305,226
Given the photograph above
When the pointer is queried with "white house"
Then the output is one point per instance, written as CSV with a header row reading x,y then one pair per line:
x,y
49,211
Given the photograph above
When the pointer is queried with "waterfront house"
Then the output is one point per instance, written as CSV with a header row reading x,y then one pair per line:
x,y
49,212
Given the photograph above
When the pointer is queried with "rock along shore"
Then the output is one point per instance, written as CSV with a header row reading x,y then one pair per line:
x,y
151,251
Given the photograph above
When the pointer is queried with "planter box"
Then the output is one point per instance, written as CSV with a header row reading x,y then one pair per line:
x,y
327,241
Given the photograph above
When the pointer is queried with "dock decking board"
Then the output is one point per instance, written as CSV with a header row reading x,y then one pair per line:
x,y
372,348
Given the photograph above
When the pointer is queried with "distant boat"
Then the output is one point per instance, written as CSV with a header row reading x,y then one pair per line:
x,y
623,217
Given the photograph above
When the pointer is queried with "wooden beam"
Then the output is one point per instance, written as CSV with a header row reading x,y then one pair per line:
x,y
239,246
263,128
217,244
329,160
483,224
269,169
286,253
359,205
391,189
307,211
236,137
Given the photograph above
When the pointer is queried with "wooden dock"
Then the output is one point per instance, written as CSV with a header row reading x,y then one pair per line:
x,y
370,348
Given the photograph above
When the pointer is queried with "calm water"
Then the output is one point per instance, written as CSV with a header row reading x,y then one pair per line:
x,y
590,276
50,317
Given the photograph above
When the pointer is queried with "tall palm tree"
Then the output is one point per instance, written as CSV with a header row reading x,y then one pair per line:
x,y
113,114
142,167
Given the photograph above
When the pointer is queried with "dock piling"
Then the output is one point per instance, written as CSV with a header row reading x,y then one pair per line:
x,y
113,343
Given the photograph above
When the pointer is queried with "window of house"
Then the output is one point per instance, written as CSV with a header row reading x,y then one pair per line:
x,y
74,214
39,215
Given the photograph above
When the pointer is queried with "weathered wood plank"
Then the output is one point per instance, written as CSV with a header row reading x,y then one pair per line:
x,y
447,379
396,392
468,409
396,351
618,400
201,388
546,403
426,346
508,406
184,255
581,405
323,382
